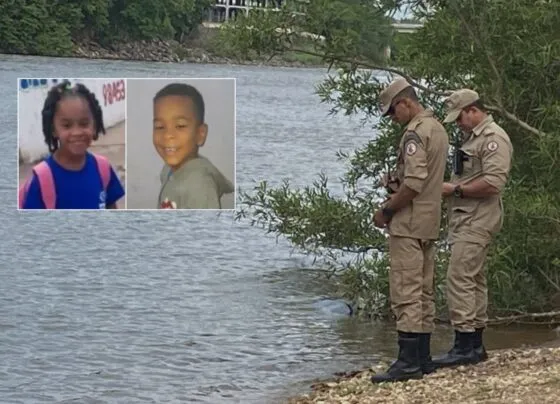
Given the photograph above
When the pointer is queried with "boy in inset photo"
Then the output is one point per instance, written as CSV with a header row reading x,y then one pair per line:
x,y
188,180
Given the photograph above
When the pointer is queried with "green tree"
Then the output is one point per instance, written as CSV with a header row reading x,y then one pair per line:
x,y
42,27
28,27
156,19
507,50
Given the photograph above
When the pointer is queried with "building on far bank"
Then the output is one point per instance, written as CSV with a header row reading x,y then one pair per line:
x,y
224,10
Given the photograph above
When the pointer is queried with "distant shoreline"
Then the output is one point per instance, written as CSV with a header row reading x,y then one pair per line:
x,y
171,52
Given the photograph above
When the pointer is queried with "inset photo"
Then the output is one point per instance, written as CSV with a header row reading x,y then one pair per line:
x,y
181,143
71,143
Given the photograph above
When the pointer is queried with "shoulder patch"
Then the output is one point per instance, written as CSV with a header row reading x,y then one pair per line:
x,y
411,148
492,146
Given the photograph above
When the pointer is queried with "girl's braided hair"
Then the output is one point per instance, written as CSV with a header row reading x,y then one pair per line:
x,y
59,92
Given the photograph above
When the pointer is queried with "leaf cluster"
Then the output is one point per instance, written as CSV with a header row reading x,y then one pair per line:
x,y
43,27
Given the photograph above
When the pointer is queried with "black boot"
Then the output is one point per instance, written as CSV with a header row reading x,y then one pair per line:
x,y
462,352
425,358
407,366
479,346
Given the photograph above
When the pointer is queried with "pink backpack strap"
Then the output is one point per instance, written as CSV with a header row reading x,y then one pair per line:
x,y
46,184
22,192
104,167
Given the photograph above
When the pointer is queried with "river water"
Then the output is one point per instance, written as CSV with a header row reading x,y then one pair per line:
x,y
132,307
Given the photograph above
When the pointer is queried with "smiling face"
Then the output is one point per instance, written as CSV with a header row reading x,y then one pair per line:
x,y
177,134
74,126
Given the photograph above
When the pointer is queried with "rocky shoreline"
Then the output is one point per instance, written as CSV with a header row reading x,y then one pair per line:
x,y
525,375
168,51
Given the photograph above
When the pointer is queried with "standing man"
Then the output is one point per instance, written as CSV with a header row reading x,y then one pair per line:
x,y
481,169
412,216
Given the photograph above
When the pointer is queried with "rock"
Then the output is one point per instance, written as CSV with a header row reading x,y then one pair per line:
x,y
334,306
160,51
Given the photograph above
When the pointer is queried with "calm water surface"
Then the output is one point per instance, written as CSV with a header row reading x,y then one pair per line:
x,y
131,307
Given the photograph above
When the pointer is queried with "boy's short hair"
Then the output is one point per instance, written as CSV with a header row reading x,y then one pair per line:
x,y
184,90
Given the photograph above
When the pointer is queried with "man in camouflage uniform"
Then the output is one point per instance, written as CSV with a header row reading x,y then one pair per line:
x,y
412,216
481,169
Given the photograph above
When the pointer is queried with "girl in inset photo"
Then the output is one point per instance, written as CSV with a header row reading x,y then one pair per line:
x,y
71,177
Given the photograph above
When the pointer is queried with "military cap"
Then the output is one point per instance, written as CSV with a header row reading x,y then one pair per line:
x,y
458,100
390,92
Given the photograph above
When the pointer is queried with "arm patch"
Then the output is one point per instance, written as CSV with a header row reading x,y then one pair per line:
x,y
410,142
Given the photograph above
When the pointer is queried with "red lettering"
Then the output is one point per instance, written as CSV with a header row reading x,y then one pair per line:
x,y
104,95
114,91
123,86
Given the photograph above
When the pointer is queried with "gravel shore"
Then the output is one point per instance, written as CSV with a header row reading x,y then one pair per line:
x,y
509,376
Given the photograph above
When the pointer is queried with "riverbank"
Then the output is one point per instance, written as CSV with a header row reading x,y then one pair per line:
x,y
526,375
201,49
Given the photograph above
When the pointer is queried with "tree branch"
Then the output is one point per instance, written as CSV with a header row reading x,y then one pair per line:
x,y
515,119
549,280
484,49
500,108
375,67
350,250
493,108
547,218
511,319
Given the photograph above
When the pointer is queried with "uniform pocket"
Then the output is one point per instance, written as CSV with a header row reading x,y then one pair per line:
x,y
425,219
462,213
472,164
406,279
463,208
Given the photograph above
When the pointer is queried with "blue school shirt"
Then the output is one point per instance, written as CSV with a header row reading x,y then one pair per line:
x,y
81,189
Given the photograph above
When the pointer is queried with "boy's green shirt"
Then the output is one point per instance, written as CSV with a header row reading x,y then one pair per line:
x,y
198,184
